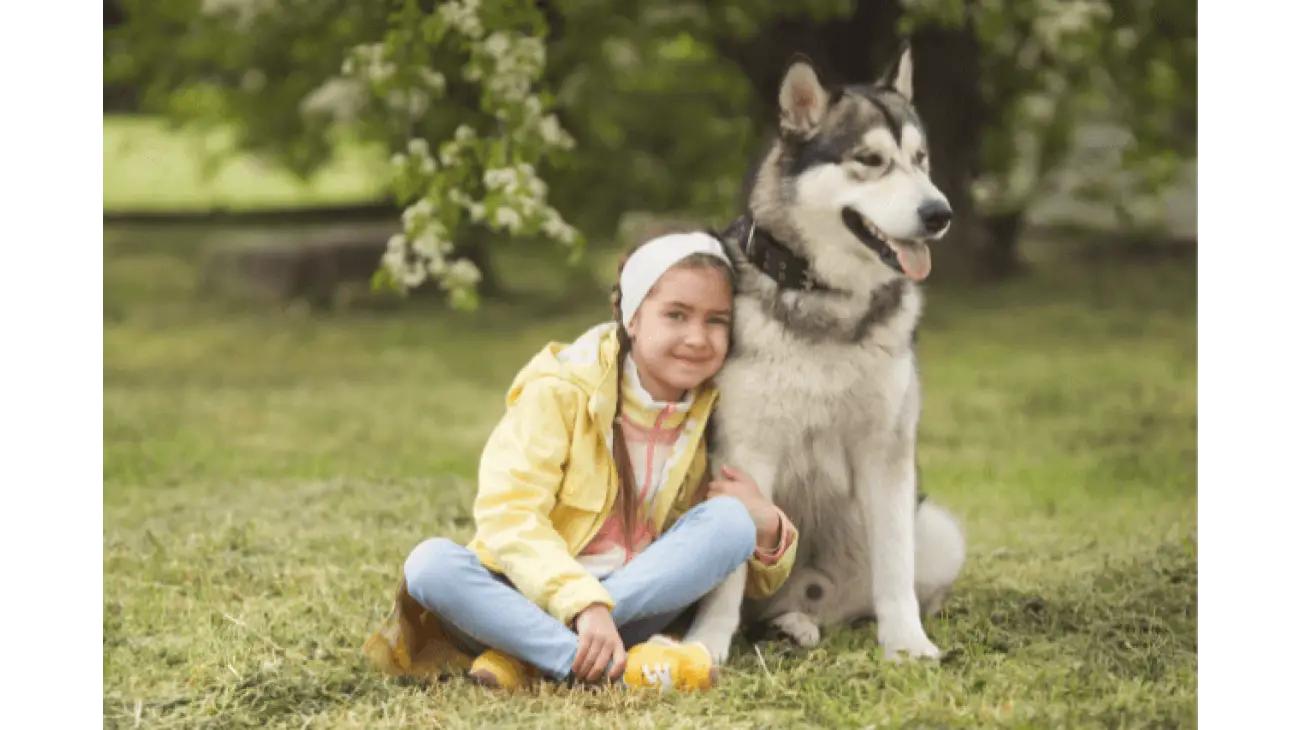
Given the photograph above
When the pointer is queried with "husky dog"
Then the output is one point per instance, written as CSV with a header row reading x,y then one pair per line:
x,y
821,395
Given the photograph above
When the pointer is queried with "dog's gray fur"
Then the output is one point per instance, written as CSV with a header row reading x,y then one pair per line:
x,y
821,395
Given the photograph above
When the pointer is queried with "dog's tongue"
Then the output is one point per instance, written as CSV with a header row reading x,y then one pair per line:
x,y
914,258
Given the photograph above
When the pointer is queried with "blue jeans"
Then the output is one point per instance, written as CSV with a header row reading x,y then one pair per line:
x,y
481,608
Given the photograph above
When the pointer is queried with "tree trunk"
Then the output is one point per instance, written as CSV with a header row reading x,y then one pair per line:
x,y
948,98
851,50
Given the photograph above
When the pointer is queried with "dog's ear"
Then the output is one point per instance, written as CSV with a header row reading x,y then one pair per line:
x,y
899,75
803,99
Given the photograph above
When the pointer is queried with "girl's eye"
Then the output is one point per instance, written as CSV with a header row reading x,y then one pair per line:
x,y
675,315
720,320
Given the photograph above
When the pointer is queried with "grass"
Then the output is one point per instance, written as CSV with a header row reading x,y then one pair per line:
x,y
149,167
265,474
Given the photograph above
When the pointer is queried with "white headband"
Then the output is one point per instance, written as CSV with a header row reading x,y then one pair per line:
x,y
649,262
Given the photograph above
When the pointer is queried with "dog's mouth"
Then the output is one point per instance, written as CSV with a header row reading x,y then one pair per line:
x,y
909,258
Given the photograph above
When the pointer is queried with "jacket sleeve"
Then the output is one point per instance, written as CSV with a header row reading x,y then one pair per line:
x,y
519,478
769,570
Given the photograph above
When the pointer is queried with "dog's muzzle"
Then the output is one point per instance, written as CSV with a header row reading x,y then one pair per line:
x,y
909,258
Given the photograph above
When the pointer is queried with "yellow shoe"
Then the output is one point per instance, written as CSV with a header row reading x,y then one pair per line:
x,y
670,666
502,671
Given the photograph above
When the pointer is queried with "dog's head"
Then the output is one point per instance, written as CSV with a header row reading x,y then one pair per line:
x,y
851,170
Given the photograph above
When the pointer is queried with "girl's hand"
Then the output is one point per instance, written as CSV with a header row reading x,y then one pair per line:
x,y
598,645
738,484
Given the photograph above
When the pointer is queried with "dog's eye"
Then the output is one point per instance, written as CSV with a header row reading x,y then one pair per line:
x,y
920,157
871,159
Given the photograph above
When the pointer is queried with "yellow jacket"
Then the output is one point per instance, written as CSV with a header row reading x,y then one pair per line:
x,y
546,484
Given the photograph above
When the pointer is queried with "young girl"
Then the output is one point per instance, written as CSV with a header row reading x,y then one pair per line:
x,y
594,533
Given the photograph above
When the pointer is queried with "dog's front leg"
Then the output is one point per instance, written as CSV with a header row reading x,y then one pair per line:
x,y
718,616
890,512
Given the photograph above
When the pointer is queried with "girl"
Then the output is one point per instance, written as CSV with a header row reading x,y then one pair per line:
x,y
592,532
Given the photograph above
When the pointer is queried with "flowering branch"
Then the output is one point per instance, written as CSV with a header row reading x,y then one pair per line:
x,y
485,173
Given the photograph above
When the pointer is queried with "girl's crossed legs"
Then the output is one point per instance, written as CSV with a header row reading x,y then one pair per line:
x,y
483,610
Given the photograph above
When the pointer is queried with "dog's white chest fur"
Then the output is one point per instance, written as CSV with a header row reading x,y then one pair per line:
x,y
798,387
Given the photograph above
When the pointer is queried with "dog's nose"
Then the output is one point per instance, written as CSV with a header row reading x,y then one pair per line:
x,y
935,215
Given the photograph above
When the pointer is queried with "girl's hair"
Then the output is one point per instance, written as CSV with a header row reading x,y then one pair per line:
x,y
627,487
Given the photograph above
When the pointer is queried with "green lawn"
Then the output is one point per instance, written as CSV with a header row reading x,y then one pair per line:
x,y
265,474
149,167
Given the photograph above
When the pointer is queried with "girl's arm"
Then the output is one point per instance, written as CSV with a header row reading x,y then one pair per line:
x,y
774,556
768,569
519,477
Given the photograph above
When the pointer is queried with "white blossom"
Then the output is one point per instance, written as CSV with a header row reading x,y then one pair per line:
x,y
462,272
508,218
409,102
380,71
496,44
338,98
418,214
501,178
413,276
433,80
555,228
429,244
458,197
243,12
529,208
462,16
505,66
553,135
394,261
531,51
395,253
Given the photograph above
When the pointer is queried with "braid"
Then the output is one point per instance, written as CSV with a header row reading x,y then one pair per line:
x,y
627,492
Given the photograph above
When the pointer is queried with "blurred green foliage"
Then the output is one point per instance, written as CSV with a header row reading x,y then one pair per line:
x,y
661,116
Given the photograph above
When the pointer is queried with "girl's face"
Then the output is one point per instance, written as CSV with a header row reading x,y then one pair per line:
x,y
680,333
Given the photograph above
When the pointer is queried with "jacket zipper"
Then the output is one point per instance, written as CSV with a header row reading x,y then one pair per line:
x,y
597,524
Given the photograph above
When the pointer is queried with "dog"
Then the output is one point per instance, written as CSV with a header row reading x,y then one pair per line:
x,y
821,393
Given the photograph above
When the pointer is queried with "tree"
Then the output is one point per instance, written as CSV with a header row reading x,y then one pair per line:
x,y
480,103
464,95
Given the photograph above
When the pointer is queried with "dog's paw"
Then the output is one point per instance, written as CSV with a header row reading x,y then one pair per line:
x,y
663,640
908,644
798,627
718,643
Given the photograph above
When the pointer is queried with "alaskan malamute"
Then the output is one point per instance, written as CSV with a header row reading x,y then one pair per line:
x,y
821,394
